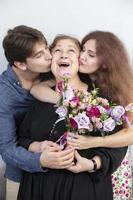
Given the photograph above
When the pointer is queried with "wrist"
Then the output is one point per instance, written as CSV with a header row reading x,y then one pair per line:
x,y
34,147
42,166
98,142
42,160
96,163
93,166
103,141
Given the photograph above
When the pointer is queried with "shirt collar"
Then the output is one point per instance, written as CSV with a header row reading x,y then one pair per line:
x,y
12,75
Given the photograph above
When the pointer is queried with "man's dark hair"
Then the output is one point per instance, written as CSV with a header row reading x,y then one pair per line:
x,y
19,42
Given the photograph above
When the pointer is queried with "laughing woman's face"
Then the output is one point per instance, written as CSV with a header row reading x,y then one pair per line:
x,y
65,59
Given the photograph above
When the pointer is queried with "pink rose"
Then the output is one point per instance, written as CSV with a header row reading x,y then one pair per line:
x,y
74,101
60,86
93,112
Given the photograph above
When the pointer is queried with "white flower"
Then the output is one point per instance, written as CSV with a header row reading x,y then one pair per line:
x,y
61,111
109,125
68,94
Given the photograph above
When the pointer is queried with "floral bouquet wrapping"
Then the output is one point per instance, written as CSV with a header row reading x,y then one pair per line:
x,y
86,112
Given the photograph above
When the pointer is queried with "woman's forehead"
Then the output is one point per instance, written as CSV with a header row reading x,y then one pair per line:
x,y
68,42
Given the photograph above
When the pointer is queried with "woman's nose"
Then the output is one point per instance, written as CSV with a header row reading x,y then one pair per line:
x,y
64,55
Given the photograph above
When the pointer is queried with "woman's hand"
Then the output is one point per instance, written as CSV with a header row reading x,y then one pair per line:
x,y
80,141
82,164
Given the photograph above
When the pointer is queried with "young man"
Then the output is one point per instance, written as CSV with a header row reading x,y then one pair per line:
x,y
28,55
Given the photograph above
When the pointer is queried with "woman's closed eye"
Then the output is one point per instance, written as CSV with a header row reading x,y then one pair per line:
x,y
72,50
56,50
91,55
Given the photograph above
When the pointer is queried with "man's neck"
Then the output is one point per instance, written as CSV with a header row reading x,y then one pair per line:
x,y
27,78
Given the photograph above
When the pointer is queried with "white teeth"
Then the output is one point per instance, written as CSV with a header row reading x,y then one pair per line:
x,y
64,65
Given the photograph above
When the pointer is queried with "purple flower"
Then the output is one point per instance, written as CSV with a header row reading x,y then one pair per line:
x,y
108,125
127,121
73,123
62,140
117,112
82,121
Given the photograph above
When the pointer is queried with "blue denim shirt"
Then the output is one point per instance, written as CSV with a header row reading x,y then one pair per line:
x,y
14,102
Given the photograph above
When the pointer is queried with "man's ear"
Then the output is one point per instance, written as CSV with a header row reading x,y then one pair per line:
x,y
20,65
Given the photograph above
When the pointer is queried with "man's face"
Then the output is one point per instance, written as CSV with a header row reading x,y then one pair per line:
x,y
40,60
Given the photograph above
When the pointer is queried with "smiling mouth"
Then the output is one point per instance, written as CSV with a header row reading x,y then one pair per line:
x,y
65,65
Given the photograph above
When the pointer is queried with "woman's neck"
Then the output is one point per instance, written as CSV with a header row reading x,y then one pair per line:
x,y
76,83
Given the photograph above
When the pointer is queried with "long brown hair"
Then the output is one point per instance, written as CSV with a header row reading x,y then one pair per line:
x,y
114,76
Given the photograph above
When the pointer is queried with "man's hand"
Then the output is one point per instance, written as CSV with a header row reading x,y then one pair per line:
x,y
48,145
40,146
57,159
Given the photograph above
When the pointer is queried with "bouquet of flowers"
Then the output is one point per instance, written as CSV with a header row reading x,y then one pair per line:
x,y
86,112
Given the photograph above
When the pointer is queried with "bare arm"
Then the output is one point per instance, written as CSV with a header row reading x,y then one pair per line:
x,y
119,139
44,92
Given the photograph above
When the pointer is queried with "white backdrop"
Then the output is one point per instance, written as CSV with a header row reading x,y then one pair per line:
x,y
69,17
